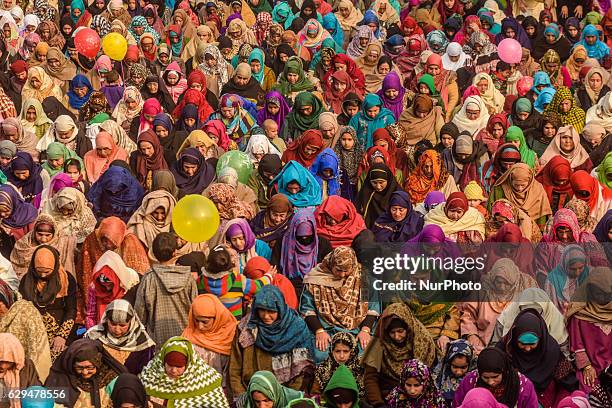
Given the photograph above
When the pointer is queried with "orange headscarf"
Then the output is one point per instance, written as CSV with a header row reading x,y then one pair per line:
x,y
220,336
113,229
96,165
12,351
417,185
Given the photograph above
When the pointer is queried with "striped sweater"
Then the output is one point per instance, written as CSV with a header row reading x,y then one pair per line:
x,y
231,287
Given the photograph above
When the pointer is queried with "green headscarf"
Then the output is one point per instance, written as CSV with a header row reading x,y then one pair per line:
x,y
258,54
300,122
293,66
266,383
528,156
56,150
342,378
263,6
523,105
429,81
605,168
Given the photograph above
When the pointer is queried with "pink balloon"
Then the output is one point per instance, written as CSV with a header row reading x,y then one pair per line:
x,y
510,51
87,42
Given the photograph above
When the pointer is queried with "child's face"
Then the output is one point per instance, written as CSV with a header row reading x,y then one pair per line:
x,y
413,387
352,110
474,203
424,89
272,131
459,366
347,141
341,353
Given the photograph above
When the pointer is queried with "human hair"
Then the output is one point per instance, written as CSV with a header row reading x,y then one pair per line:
x,y
164,246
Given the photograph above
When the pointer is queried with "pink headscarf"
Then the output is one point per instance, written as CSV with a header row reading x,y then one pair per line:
x,y
151,107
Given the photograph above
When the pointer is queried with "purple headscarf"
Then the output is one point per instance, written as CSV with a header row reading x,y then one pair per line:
x,y
431,234
434,198
22,213
113,94
393,81
298,259
240,226
275,98
59,181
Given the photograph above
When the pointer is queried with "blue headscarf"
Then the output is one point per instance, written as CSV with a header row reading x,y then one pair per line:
x,y
77,4
370,17
287,333
541,78
365,125
387,229
558,276
79,81
545,97
282,14
327,159
177,47
257,54
599,50
310,192
117,192
331,24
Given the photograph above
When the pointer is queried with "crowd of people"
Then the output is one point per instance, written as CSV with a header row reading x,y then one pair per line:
x,y
364,124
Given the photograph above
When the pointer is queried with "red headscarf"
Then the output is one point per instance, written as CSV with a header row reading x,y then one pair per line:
x,y
351,68
398,156
368,158
411,23
144,164
106,293
151,107
218,129
349,222
511,233
446,12
456,200
194,97
335,98
257,266
295,151
583,181
556,170
487,136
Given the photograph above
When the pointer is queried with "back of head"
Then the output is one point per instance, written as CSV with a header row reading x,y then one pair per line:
x,y
164,246
219,260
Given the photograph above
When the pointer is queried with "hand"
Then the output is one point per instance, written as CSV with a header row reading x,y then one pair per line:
x,y
58,344
578,11
272,271
475,341
589,375
564,11
442,342
364,339
322,340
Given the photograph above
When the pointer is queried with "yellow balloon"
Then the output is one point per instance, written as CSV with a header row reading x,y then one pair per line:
x,y
115,46
195,218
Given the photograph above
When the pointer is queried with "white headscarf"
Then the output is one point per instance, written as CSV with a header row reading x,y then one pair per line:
x,y
260,144
454,49
601,113
472,126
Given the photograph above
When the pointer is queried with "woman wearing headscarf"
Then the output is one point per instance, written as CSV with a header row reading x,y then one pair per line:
x,y
519,186
373,116
217,70
400,222
340,85
303,117
98,161
558,74
569,273
338,221
55,300
587,316
84,371
133,348
595,47
79,91
473,115
444,81
238,236
551,39
555,177
493,135
192,173
429,175
310,38
437,42
460,222
152,217
332,301
11,129
349,153
237,119
49,33
427,393
40,85
593,89
26,176
525,116
34,119
299,185
373,198
261,338
564,105
71,213
514,135
566,144
17,218
348,16
244,84
465,159
492,98
148,158
116,192
20,372
201,141
399,337
515,389
304,149
293,80
111,280
501,285
128,108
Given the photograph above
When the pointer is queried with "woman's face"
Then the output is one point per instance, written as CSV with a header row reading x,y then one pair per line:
x,y
523,115
447,141
43,236
76,12
210,60
293,187
347,141
413,386
146,44
483,86
277,218
139,30
498,131
340,272
131,104
391,94
73,172
117,329
472,114
31,114
267,317
519,185
163,58
420,114
272,108
530,30
35,83
566,143
56,163
373,111
305,110
255,67
81,91
204,323
433,69
384,69
341,352
172,78
373,27
510,33
344,11
189,122
590,39
67,29
372,56
159,214
338,66
238,242
398,213
549,131
228,112
571,30
459,366
339,86
21,174
85,369
190,169
363,42
174,372
455,214
379,185
261,401
491,379
449,3
292,78
595,82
